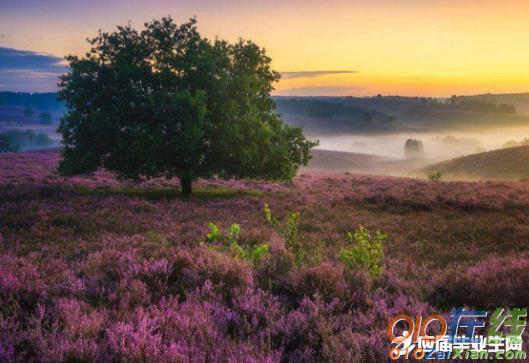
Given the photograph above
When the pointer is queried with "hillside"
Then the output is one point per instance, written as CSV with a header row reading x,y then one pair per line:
x,y
333,117
339,161
344,161
504,164
518,100
386,114
441,118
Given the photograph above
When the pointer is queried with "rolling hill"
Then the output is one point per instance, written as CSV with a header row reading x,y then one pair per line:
x,y
339,161
503,164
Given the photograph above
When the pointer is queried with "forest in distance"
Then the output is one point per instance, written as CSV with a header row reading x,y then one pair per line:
x,y
378,125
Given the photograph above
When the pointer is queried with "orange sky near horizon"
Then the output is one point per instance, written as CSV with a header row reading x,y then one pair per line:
x,y
408,47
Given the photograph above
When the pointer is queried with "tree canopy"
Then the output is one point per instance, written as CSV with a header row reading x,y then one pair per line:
x,y
165,101
414,148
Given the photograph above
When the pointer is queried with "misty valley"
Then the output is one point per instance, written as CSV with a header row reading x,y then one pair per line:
x,y
356,134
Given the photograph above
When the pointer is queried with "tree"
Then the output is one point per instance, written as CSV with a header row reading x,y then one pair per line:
x,y
165,101
414,148
45,118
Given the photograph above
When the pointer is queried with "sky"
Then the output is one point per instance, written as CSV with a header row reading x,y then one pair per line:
x,y
409,47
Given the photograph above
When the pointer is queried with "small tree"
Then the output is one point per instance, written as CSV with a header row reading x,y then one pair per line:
x,y
414,148
165,101
365,251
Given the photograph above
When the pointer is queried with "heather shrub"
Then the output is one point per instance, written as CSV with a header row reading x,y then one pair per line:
x,y
194,267
366,251
493,282
330,283
201,328
110,276
143,286
10,337
131,293
273,270
78,328
21,285
405,282
318,331
258,313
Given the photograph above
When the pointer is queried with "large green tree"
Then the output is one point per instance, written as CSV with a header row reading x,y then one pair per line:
x,y
165,101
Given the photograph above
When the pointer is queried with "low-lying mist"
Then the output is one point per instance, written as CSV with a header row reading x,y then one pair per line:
x,y
437,145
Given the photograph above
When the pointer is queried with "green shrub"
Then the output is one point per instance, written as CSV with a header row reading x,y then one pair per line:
x,y
254,253
366,251
233,233
435,177
289,230
214,234
231,243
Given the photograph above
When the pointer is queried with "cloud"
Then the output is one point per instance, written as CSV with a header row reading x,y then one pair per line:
x,y
311,74
27,71
321,91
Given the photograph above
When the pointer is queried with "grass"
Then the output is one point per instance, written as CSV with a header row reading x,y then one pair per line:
x,y
503,164
160,193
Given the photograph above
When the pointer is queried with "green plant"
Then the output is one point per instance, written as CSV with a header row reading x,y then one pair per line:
x,y
233,233
214,233
269,216
289,230
366,251
231,243
435,177
254,253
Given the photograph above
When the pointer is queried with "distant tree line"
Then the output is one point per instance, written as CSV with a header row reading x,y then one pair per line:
x,y
470,104
44,102
330,109
17,140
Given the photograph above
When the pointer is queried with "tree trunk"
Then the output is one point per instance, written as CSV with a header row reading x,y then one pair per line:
x,y
186,182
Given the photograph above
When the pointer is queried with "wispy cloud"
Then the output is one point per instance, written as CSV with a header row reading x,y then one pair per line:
x,y
22,70
311,74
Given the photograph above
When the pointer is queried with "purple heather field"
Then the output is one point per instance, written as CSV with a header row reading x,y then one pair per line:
x,y
96,269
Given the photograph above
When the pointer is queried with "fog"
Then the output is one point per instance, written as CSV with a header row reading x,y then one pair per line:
x,y
437,145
